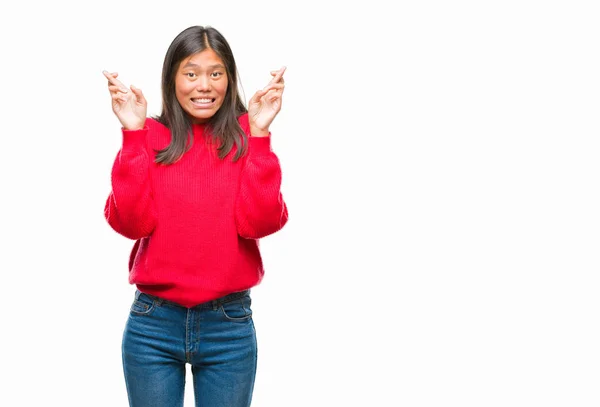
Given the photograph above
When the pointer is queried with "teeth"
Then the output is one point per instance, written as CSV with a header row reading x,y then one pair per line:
x,y
202,100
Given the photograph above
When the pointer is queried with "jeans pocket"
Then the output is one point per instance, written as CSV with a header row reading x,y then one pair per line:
x,y
143,304
237,310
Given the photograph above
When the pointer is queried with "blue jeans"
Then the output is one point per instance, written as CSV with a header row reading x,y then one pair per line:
x,y
216,338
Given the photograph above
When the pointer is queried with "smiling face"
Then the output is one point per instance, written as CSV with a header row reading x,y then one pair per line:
x,y
201,85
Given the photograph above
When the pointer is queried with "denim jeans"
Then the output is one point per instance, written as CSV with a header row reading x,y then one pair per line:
x,y
216,338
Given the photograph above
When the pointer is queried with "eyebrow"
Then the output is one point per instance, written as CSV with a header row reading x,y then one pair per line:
x,y
192,65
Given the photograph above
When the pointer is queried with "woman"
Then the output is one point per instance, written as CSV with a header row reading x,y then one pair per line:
x,y
195,187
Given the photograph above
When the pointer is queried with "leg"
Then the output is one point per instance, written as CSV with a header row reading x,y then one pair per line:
x,y
225,365
152,350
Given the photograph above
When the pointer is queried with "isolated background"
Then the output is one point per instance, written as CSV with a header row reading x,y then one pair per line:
x,y
440,164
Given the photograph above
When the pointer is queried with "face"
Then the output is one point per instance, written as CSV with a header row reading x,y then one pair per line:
x,y
201,85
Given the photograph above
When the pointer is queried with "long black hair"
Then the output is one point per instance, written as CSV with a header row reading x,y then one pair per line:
x,y
223,126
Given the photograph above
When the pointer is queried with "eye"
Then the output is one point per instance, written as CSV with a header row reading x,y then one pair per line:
x,y
190,75
216,74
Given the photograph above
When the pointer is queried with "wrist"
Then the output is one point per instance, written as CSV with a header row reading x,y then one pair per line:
x,y
256,132
133,126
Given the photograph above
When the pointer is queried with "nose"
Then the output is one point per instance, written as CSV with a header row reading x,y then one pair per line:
x,y
203,84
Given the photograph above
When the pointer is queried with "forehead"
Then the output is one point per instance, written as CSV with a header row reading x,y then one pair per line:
x,y
203,59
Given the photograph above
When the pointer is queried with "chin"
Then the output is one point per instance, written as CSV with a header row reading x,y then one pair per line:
x,y
201,117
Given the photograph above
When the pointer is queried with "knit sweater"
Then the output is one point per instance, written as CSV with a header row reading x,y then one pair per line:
x,y
196,222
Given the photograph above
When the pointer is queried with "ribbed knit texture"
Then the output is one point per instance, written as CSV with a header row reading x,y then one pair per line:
x,y
196,222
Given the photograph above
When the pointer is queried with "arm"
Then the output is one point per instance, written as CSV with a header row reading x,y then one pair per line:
x,y
260,209
129,208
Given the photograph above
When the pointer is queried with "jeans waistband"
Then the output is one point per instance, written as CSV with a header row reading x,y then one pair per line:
x,y
214,304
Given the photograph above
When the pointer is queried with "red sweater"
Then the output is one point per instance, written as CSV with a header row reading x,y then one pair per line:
x,y
196,222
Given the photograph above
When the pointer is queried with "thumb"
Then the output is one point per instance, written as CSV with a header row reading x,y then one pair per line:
x,y
259,93
138,94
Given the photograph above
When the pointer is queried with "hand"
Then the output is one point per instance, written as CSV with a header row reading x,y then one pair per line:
x,y
129,106
265,104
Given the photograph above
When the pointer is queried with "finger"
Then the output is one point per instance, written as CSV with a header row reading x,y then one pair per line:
x,y
278,75
114,89
270,95
258,95
113,80
278,71
274,86
119,97
281,80
274,94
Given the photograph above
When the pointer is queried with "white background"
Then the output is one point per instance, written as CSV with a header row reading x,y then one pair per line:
x,y
440,164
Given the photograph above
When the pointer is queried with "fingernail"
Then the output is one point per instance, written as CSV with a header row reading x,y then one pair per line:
x,y
124,90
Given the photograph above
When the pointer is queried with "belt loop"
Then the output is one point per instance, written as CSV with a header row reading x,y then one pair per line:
x,y
137,294
215,304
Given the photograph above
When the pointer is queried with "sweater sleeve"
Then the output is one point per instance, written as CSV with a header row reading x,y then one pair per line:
x,y
260,208
129,208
